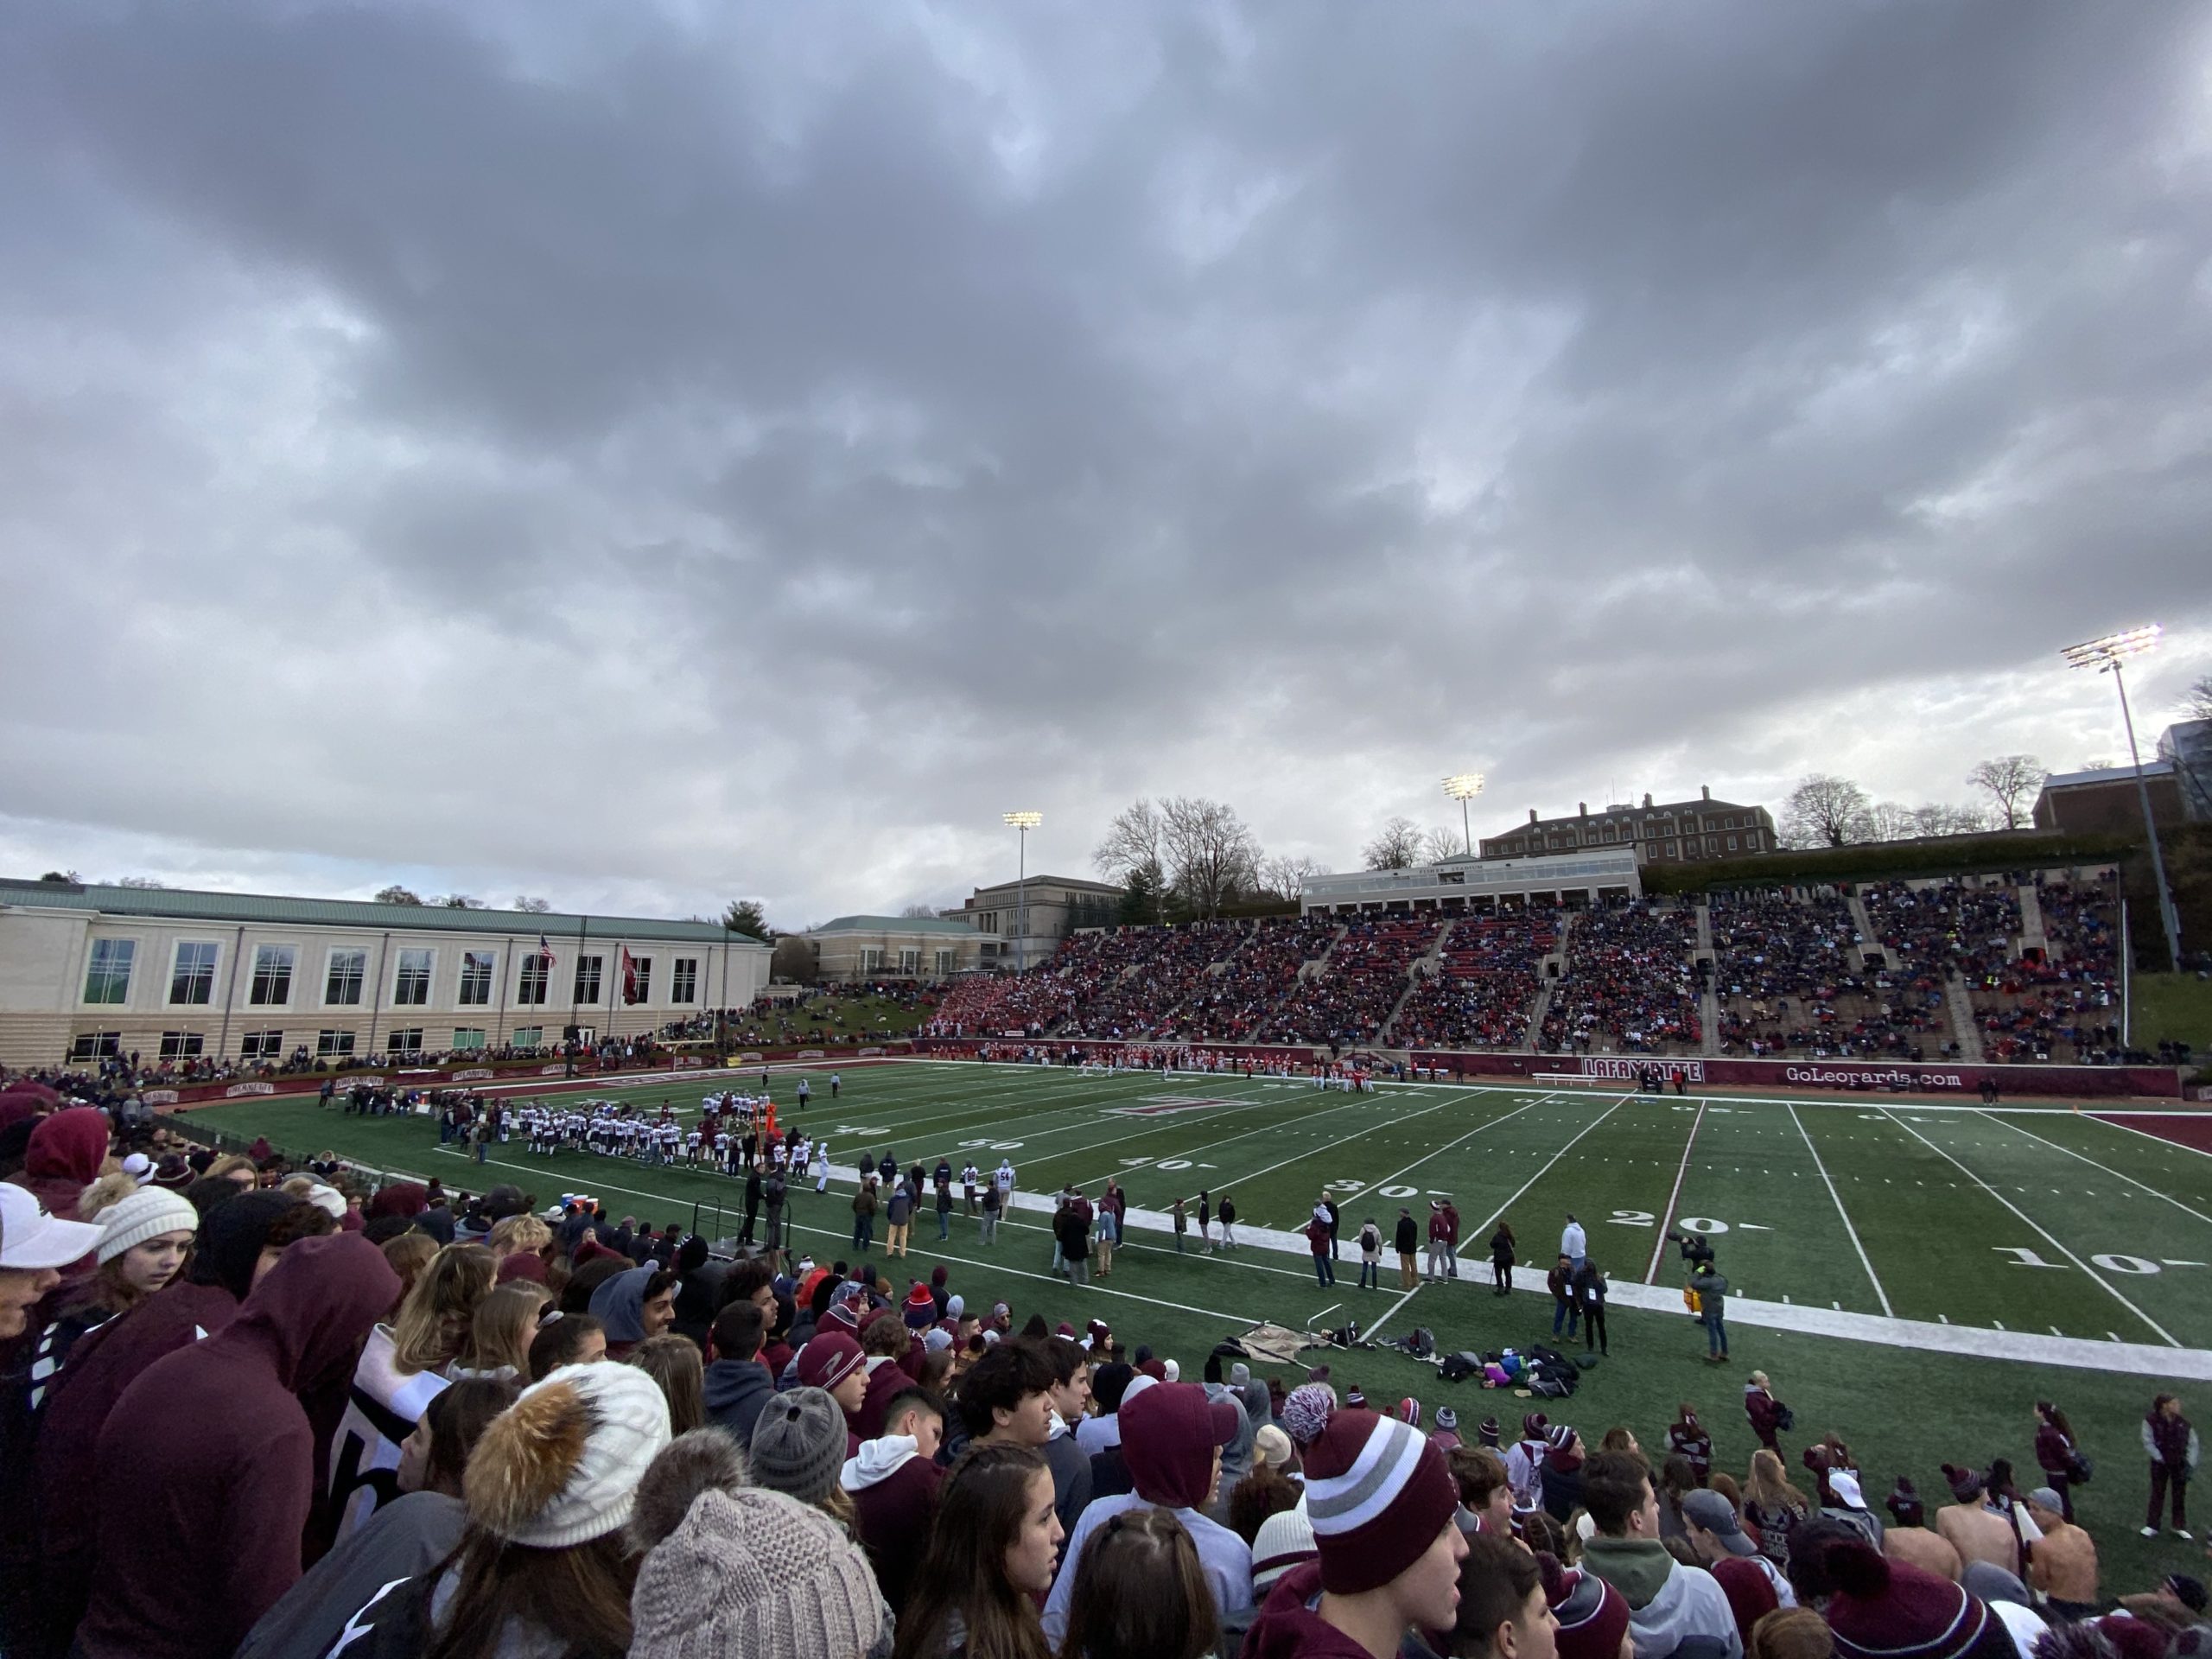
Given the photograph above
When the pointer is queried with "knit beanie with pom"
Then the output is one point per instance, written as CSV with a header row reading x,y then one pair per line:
x,y
147,1213
756,1574
1306,1411
561,1466
1378,1494
799,1444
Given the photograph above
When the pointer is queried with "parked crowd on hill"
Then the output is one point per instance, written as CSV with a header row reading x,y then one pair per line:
x,y
249,1413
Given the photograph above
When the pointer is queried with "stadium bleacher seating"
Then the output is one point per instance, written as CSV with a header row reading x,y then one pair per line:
x,y
1628,984
1483,987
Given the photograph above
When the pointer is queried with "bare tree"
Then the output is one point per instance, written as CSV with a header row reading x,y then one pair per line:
x,y
2199,706
1943,820
2098,763
1439,844
1135,842
1888,821
533,906
1285,877
459,901
1212,854
2012,781
1398,847
920,913
1825,811
396,894
146,883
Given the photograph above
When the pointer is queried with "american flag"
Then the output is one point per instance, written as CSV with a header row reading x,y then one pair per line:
x,y
544,950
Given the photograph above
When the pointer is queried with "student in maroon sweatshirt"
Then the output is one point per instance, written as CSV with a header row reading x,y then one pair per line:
x,y
893,1482
235,1247
205,1467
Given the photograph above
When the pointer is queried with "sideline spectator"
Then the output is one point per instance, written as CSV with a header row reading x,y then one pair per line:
x,y
1668,1603
224,1508
409,1535
996,1549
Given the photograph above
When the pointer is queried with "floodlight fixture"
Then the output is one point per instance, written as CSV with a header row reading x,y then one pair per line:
x,y
1023,822
2105,655
1464,786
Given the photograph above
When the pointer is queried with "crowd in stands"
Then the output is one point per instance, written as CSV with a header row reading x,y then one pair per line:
x,y
1232,1006
1628,984
1348,999
1789,979
990,1005
246,1413
1931,931
1155,970
1483,989
2062,1003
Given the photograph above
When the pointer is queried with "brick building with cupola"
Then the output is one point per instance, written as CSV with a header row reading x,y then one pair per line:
x,y
1668,832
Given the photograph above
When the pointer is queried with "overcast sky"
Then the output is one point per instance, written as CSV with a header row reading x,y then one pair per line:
x,y
648,455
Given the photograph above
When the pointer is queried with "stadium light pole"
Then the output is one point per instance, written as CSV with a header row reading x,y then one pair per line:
x,y
1023,822
1463,787
2106,656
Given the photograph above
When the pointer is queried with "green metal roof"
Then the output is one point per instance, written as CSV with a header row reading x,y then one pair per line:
x,y
893,924
172,904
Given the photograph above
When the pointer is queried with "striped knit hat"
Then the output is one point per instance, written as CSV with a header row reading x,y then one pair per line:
x,y
1377,1493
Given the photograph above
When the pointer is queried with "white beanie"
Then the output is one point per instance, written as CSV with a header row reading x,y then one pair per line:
x,y
561,1466
148,1213
328,1199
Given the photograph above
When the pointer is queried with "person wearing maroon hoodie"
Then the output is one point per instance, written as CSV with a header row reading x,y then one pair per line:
x,y
62,1159
204,1469
233,1250
1382,1504
893,1481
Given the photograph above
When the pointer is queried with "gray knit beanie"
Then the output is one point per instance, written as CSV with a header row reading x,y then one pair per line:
x,y
799,1444
754,1574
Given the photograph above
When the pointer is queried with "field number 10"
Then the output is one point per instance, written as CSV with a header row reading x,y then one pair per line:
x,y
2023,1257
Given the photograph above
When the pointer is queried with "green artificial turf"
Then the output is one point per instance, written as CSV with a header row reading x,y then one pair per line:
x,y
1943,1203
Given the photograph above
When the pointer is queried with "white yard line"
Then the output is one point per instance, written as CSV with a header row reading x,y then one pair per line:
x,y
1659,1244
1387,1313
1477,1231
2107,1169
1841,1212
2115,1293
1449,1145
1302,1118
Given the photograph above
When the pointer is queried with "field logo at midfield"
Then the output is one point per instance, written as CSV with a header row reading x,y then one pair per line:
x,y
1629,1069
1167,1105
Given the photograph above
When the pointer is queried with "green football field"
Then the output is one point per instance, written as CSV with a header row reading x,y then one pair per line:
x,y
2016,1220
2010,1226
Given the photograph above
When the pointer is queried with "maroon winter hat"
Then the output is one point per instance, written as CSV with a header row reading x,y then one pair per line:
x,y
1378,1493
1169,1434
1592,1615
1534,1425
1750,1591
1883,1608
828,1359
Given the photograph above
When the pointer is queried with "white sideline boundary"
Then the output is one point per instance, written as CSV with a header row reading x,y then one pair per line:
x,y
2076,1353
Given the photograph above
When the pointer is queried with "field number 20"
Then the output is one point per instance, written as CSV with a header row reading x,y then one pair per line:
x,y
1689,1223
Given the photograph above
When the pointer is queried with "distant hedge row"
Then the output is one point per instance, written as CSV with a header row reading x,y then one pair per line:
x,y
1890,862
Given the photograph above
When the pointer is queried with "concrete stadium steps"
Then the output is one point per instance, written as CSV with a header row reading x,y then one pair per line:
x,y
1965,1029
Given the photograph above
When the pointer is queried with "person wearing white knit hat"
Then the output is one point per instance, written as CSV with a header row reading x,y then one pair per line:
x,y
549,1491
145,1239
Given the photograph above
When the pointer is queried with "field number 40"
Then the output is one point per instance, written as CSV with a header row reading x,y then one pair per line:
x,y
2023,1257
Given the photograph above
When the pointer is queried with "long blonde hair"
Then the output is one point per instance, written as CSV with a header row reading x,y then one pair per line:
x,y
436,1316
495,1333
1769,1486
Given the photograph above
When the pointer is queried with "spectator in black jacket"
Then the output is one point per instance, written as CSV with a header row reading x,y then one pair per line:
x,y
1408,1244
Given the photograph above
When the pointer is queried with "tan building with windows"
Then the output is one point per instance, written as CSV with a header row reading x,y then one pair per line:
x,y
1057,906
853,948
87,971
1672,832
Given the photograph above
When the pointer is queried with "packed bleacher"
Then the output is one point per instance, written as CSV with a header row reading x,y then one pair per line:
x,y
1482,991
1628,985
2062,1003
258,1411
1229,1006
1789,979
1156,970
1350,998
